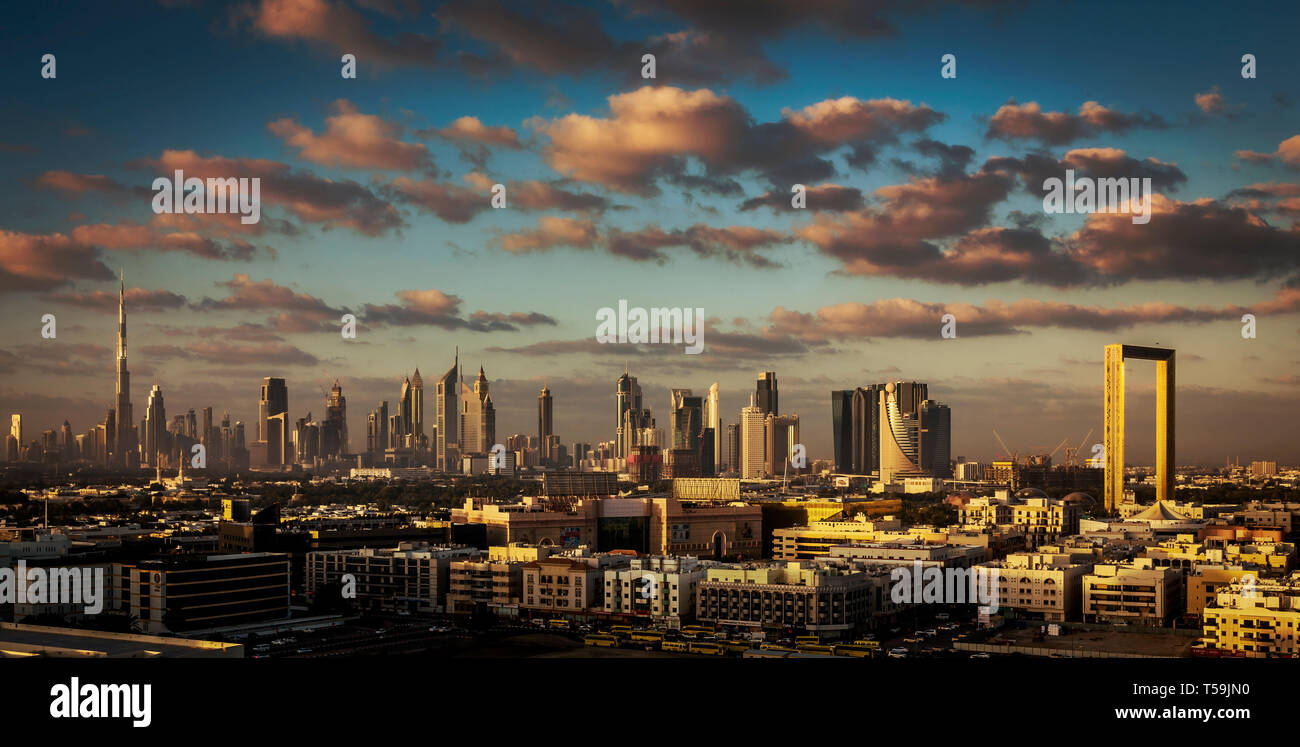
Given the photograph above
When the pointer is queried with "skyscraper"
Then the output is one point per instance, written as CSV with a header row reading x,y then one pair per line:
x,y
123,438
865,434
155,428
686,414
900,437
403,430
713,420
334,429
936,439
781,433
732,445
842,429
753,444
274,401
544,424
446,396
478,418
377,430
627,397
416,428
766,394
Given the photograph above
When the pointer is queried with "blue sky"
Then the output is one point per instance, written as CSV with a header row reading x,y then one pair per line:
x,y
210,78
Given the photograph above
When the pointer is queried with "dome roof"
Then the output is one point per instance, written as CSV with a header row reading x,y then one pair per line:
x,y
1079,497
1025,493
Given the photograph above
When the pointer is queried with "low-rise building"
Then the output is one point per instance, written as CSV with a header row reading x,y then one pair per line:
x,y
1256,618
659,587
1137,592
412,577
1041,585
793,595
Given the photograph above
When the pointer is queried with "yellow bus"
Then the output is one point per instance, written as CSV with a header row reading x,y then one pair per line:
x,y
558,624
651,636
776,647
736,647
802,640
698,629
601,639
708,649
620,629
680,646
868,644
815,648
855,651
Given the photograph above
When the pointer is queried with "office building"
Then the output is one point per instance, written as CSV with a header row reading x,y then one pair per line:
x,y
781,433
478,418
713,425
124,439
765,394
446,403
753,442
544,424
413,577
194,592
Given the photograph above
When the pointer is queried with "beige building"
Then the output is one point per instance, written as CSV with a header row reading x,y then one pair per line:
x,y
1042,585
661,588
567,584
413,577
791,595
1204,582
647,526
1260,619
1137,592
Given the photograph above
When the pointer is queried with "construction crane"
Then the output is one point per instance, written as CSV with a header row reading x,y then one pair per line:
x,y
1013,454
1072,452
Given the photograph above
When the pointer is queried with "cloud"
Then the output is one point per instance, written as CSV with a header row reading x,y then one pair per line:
x,y
1096,163
1028,121
37,262
471,129
355,140
828,197
226,353
435,308
338,29
652,132
736,244
137,299
330,203
1211,101
1287,154
457,204
246,294
552,232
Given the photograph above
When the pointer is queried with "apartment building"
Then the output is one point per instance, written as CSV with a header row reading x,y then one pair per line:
x,y
1256,619
1137,592
568,583
412,576
793,595
659,587
1042,585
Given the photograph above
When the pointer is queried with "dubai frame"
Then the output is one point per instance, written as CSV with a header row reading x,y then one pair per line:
x,y
1164,358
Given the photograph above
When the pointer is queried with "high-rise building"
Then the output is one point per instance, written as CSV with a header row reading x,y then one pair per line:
x,y
377,430
936,439
627,397
544,424
446,396
1113,400
842,429
123,438
334,429
781,433
16,428
274,401
766,394
478,418
753,443
899,407
713,421
687,419
155,428
732,459
416,429
403,429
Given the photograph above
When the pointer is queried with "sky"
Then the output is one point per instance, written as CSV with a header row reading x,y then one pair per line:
x,y
924,197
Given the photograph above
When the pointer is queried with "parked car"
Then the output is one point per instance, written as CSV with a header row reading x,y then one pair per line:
x,y
898,653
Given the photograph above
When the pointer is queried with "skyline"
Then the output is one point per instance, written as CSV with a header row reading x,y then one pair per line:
x,y
922,201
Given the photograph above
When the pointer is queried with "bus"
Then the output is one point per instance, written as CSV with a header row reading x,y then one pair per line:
x,y
736,647
601,639
776,647
815,648
806,640
697,630
620,629
855,651
679,646
707,649
868,644
558,624
648,636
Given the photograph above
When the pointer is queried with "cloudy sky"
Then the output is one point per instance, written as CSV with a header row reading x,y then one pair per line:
x,y
924,199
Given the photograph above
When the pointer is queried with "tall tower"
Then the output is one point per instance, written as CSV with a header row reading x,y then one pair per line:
x,y
766,395
123,438
274,401
446,396
155,429
713,419
627,397
544,425
1114,426
417,411
753,443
